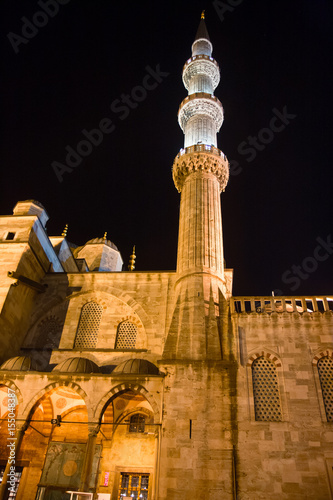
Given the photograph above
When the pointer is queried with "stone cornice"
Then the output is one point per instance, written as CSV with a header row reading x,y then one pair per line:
x,y
206,162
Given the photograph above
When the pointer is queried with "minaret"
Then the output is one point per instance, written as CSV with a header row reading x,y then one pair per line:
x,y
200,170
198,354
200,173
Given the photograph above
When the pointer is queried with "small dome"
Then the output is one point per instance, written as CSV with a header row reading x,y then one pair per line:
x,y
19,364
137,366
77,365
96,241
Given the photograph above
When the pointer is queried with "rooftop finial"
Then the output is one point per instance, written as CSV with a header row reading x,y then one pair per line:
x,y
131,265
105,234
203,14
64,233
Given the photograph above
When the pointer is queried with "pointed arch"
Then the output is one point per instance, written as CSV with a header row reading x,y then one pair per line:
x,y
121,388
29,408
320,354
11,385
107,292
267,354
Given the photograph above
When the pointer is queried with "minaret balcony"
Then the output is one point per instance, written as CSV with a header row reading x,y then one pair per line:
x,y
202,148
201,65
200,103
200,159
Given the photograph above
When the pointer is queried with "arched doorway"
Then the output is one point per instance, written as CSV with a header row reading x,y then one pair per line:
x,y
54,446
129,440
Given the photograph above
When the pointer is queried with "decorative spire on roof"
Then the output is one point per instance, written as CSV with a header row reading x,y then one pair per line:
x,y
131,265
64,233
105,235
203,14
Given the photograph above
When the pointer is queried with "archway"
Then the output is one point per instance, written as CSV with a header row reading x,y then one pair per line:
x,y
53,449
129,439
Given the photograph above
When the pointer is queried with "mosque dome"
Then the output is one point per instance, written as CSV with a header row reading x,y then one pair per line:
x,y
136,367
77,365
19,364
96,241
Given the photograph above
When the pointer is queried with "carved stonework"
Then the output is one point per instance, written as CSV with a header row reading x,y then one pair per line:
x,y
93,429
201,67
187,164
200,104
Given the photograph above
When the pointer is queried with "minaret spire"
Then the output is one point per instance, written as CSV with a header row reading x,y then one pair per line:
x,y
202,32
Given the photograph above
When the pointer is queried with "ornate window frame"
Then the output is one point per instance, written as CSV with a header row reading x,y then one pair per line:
x,y
85,305
321,353
275,359
117,335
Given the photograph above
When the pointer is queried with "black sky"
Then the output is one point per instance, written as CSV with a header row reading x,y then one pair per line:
x,y
272,55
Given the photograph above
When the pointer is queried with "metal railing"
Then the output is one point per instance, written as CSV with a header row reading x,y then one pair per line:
x,y
268,305
207,148
201,56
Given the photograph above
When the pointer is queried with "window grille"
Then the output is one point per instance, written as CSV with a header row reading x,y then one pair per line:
x,y
137,423
87,331
49,331
325,371
267,404
133,485
126,335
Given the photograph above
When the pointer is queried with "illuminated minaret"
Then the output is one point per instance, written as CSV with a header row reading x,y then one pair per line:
x,y
200,170
199,351
200,173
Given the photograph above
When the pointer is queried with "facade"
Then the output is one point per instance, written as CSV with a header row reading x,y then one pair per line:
x,y
159,385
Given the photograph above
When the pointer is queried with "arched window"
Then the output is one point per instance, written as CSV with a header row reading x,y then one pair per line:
x,y
266,394
137,423
126,335
87,330
325,372
49,331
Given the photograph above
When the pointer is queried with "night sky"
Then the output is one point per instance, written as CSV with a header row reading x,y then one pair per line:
x,y
275,58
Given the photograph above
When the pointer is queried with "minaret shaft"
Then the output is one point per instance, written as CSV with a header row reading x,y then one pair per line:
x,y
200,129
200,247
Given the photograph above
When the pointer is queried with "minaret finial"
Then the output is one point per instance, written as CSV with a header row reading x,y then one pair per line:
x,y
104,237
64,233
131,265
203,14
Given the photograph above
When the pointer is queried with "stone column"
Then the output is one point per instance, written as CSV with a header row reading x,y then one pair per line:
x,y
200,178
13,453
93,430
157,462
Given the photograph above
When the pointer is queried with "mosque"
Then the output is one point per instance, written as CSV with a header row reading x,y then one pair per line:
x,y
117,384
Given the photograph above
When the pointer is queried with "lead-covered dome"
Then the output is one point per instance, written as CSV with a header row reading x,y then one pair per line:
x,y
101,255
19,364
77,365
103,241
136,367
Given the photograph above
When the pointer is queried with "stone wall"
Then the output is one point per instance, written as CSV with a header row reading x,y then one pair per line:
x,y
287,458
